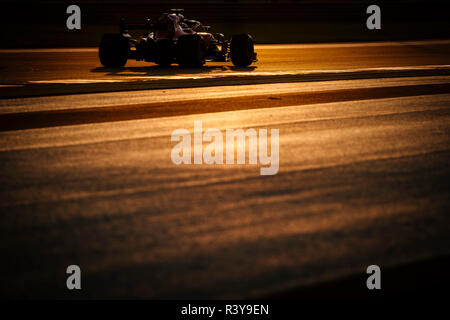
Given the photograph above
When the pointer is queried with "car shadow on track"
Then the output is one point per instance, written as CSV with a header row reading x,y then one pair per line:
x,y
154,70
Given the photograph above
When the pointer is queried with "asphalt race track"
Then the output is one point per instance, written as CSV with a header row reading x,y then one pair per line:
x,y
87,176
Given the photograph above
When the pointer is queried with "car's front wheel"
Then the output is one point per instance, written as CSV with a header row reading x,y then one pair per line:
x,y
114,50
242,50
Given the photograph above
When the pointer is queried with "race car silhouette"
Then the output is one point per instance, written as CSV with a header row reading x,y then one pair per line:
x,y
172,39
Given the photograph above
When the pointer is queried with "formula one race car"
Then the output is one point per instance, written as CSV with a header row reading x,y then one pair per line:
x,y
172,39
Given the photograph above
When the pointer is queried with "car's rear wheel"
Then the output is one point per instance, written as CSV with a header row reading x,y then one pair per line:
x,y
191,51
114,50
242,50
164,52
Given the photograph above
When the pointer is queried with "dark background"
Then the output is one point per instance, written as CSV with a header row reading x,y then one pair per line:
x,y
43,23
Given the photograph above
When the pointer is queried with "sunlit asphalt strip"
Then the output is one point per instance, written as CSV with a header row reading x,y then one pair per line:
x,y
43,119
74,86
262,46
141,97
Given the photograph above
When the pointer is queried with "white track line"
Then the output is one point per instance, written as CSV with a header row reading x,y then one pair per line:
x,y
240,74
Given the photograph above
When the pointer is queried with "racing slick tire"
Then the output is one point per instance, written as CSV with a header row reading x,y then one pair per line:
x,y
164,52
114,50
242,50
190,51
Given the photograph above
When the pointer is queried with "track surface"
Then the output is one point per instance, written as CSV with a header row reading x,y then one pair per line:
x,y
87,179
20,66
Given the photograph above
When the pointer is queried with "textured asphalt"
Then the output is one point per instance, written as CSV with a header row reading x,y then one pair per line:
x,y
87,179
